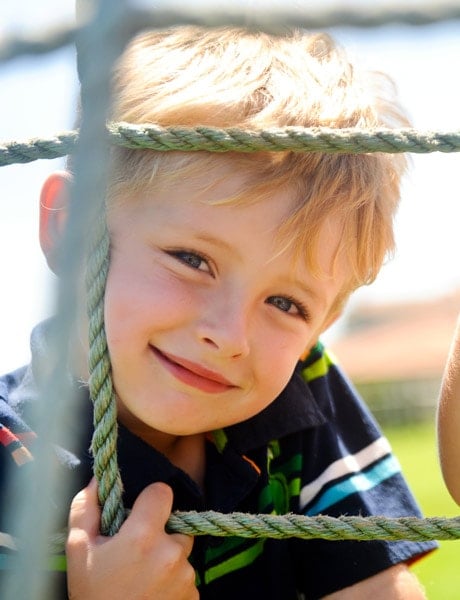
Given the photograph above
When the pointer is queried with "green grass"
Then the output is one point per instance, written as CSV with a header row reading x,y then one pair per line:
x,y
415,447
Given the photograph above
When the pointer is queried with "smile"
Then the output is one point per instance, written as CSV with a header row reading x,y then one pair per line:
x,y
193,374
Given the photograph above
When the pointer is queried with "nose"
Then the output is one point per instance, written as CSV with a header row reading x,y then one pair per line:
x,y
224,326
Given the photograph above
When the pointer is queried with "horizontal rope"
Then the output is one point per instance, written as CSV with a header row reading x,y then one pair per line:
x,y
324,527
298,139
36,148
213,139
246,525
269,19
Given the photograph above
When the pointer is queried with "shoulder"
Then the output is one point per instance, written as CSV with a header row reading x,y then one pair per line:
x,y
13,395
14,432
10,381
347,458
348,467
335,394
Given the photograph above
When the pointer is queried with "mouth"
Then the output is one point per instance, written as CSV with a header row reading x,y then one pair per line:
x,y
193,374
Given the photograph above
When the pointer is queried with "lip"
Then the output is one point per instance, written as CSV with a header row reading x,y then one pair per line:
x,y
192,373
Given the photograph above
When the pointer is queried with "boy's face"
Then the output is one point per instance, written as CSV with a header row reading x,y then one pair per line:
x,y
205,317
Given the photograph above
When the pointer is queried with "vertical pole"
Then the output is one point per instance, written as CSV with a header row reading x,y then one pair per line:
x,y
99,44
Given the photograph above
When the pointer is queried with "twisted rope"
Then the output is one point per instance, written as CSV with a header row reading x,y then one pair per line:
x,y
104,442
281,527
321,526
296,139
214,139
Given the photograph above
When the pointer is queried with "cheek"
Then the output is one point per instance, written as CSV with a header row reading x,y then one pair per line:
x,y
144,302
277,366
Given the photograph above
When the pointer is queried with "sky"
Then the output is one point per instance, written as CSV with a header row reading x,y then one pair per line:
x,y
37,99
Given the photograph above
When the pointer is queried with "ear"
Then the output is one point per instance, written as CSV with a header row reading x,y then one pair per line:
x,y
54,204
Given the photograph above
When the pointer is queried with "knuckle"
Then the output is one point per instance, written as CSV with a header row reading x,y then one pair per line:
x,y
76,542
78,501
186,541
174,557
185,580
141,539
189,541
193,595
189,576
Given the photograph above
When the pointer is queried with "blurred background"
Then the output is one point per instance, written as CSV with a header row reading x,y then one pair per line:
x,y
394,336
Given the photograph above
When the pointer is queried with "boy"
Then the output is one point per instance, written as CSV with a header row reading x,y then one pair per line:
x,y
224,270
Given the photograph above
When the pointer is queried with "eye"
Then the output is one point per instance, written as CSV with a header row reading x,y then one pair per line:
x,y
289,305
191,259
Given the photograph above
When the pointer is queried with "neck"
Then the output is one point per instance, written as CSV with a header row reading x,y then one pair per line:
x,y
186,452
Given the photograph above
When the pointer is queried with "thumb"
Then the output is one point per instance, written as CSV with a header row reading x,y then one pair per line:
x,y
85,513
153,507
149,515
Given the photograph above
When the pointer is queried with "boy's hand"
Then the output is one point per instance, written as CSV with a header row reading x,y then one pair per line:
x,y
140,561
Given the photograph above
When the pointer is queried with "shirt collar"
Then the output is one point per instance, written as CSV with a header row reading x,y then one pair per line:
x,y
295,409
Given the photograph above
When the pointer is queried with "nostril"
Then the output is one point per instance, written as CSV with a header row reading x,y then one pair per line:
x,y
208,340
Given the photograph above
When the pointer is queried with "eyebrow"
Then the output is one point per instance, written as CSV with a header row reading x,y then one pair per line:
x,y
309,291
204,236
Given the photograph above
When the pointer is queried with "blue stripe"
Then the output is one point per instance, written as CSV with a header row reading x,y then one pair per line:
x,y
358,482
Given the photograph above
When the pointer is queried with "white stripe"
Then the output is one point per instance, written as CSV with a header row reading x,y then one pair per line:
x,y
353,463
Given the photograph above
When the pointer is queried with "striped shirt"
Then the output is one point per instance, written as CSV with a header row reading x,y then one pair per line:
x,y
315,450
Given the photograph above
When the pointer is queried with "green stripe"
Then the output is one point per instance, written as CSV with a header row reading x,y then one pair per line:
x,y
55,563
283,484
320,367
220,439
278,493
227,545
266,499
294,487
293,465
239,561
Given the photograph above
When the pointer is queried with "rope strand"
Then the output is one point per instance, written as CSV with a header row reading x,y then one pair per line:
x,y
104,442
321,526
214,139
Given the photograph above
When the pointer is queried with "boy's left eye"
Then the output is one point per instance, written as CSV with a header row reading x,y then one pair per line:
x,y
288,305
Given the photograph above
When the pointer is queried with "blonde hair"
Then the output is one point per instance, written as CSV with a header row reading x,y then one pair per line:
x,y
231,77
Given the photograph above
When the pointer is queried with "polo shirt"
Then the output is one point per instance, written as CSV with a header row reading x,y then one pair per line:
x,y
315,449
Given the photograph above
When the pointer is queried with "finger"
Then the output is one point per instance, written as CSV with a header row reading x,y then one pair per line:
x,y
151,511
153,505
85,512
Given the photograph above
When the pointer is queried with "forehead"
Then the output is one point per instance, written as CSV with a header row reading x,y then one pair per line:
x,y
278,207
209,179
188,196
